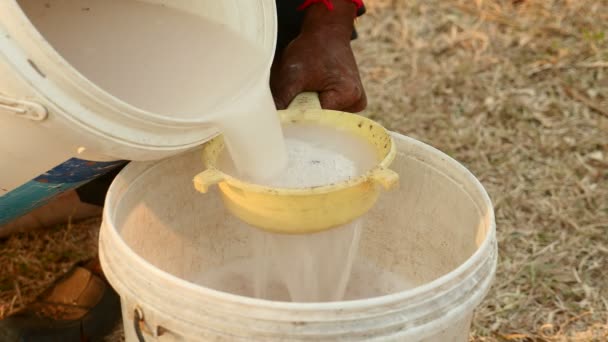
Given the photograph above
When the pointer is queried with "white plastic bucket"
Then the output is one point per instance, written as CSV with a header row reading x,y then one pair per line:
x,y
52,118
436,232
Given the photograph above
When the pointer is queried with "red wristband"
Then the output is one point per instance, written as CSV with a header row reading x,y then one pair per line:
x,y
358,3
327,3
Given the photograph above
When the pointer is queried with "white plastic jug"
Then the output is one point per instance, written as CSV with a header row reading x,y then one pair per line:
x,y
58,129
435,234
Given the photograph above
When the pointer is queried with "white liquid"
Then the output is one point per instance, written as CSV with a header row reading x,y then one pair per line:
x,y
310,267
317,156
255,140
172,63
239,277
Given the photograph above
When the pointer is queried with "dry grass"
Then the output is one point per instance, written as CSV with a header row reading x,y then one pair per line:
x,y
518,94
30,262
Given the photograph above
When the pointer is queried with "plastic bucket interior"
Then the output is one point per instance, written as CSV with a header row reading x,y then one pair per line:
x,y
436,233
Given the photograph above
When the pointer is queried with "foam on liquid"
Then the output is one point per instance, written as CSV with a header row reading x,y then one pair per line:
x,y
317,155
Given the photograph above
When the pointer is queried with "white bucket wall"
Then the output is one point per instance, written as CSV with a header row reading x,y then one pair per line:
x,y
50,114
437,231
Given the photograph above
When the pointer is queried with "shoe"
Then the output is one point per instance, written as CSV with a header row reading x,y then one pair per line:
x,y
80,306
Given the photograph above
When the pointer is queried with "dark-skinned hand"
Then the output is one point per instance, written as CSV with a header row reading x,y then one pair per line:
x,y
321,60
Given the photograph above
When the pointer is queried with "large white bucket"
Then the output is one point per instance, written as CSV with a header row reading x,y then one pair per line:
x,y
54,120
436,234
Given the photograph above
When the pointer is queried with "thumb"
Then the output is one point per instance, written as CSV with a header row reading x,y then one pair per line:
x,y
349,98
285,84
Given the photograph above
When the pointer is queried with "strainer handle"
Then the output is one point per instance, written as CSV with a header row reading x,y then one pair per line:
x,y
207,178
305,101
388,178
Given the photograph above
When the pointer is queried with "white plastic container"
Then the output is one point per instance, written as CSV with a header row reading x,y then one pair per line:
x,y
52,118
436,233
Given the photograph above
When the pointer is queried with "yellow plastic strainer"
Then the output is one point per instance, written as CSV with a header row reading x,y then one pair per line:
x,y
305,210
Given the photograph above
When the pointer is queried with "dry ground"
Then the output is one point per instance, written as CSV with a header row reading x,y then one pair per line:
x,y
517,93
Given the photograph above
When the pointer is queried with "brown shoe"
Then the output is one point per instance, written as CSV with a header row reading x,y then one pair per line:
x,y
80,306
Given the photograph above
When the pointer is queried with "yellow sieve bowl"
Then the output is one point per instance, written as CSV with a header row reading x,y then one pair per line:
x,y
312,209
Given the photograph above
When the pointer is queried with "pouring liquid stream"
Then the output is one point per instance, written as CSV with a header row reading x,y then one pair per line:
x,y
311,267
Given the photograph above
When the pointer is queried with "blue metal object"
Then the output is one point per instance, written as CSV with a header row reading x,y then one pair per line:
x,y
40,190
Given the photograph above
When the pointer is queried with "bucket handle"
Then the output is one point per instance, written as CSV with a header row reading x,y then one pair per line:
x,y
305,101
140,327
22,108
138,323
